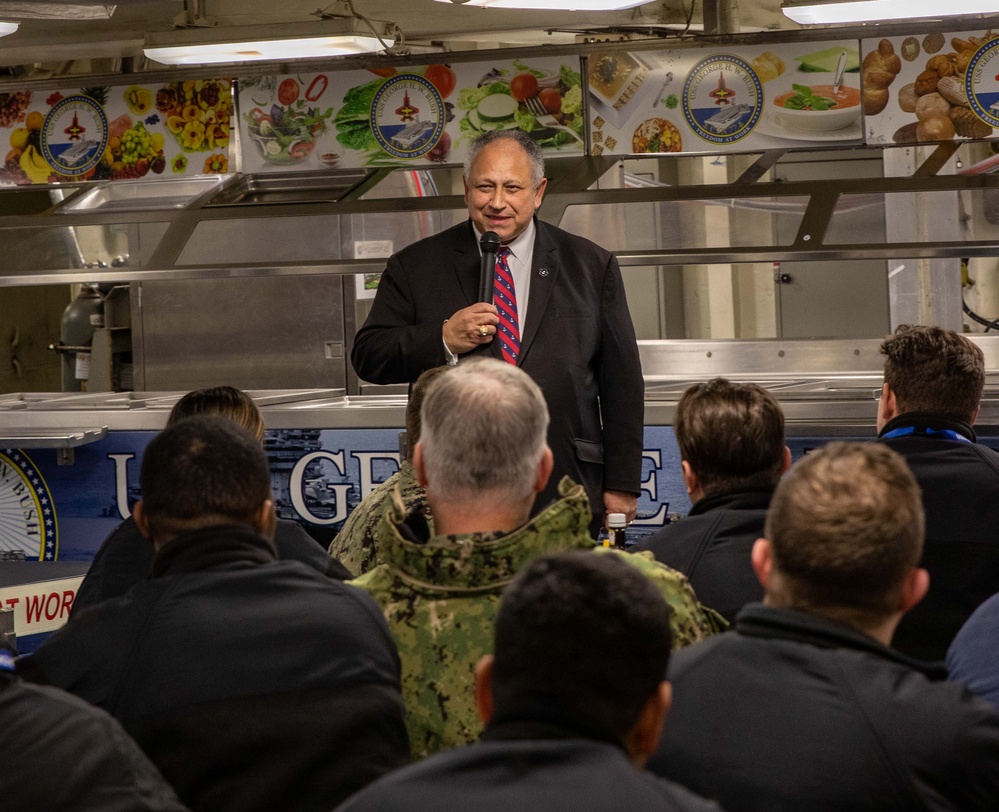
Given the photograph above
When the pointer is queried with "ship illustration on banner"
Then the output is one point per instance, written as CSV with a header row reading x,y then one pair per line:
x,y
722,99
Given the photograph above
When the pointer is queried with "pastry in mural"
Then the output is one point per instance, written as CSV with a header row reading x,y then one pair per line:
x,y
938,97
768,66
881,66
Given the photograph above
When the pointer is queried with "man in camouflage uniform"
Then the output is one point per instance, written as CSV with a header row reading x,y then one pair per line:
x,y
354,545
483,459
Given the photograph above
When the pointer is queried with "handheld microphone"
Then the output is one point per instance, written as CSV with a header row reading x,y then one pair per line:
x,y
490,243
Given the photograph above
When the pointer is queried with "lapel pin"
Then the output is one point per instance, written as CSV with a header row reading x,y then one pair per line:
x,y
543,272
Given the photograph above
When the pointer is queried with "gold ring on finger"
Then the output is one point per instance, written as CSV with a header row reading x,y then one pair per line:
x,y
483,330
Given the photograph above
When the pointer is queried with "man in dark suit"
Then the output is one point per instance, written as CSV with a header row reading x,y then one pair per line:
x,y
571,330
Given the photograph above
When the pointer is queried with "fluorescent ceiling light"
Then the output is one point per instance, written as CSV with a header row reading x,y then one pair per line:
x,y
254,43
7,28
560,5
857,11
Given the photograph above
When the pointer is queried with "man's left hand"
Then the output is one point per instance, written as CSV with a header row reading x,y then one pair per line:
x,y
620,502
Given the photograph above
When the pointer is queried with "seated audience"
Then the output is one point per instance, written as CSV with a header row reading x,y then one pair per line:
x,y
804,706
250,682
125,556
973,657
63,755
573,699
354,545
482,458
731,439
932,390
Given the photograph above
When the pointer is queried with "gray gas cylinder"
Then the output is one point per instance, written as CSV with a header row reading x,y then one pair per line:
x,y
76,332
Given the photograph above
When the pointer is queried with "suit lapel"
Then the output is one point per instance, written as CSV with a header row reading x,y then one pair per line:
x,y
466,265
544,275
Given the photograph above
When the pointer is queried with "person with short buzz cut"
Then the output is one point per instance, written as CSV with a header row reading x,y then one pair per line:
x,y
482,458
804,705
125,556
572,698
252,683
732,452
354,546
933,383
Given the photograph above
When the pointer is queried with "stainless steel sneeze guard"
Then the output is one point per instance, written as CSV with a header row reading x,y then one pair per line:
x,y
826,388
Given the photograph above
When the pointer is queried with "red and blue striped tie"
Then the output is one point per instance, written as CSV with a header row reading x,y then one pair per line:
x,y
505,299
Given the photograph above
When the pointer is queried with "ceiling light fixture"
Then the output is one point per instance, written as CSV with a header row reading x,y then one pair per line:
x,y
333,37
559,5
858,11
7,28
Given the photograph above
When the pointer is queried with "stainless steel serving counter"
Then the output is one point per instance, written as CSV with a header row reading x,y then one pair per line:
x,y
826,387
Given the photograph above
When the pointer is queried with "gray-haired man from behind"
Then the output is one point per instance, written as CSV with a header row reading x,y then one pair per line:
x,y
482,458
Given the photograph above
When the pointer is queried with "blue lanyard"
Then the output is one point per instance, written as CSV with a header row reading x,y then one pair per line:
x,y
945,434
6,661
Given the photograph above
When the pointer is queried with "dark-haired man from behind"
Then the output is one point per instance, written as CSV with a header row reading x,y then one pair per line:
x,y
929,401
573,700
125,556
731,439
252,683
804,706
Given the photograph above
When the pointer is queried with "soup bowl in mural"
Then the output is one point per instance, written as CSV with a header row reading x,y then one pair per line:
x,y
818,108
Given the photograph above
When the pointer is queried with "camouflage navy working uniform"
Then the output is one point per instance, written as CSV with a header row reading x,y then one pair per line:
x,y
354,545
440,595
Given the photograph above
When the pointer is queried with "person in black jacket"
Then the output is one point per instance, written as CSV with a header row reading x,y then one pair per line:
x,y
929,401
731,439
125,556
63,755
251,682
804,705
573,700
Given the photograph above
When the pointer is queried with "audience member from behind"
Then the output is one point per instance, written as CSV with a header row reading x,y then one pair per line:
x,y
973,657
482,458
731,438
804,705
125,556
252,683
354,545
573,701
63,755
932,390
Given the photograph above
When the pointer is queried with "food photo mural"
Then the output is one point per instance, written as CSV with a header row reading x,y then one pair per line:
x,y
936,87
719,101
409,116
116,132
